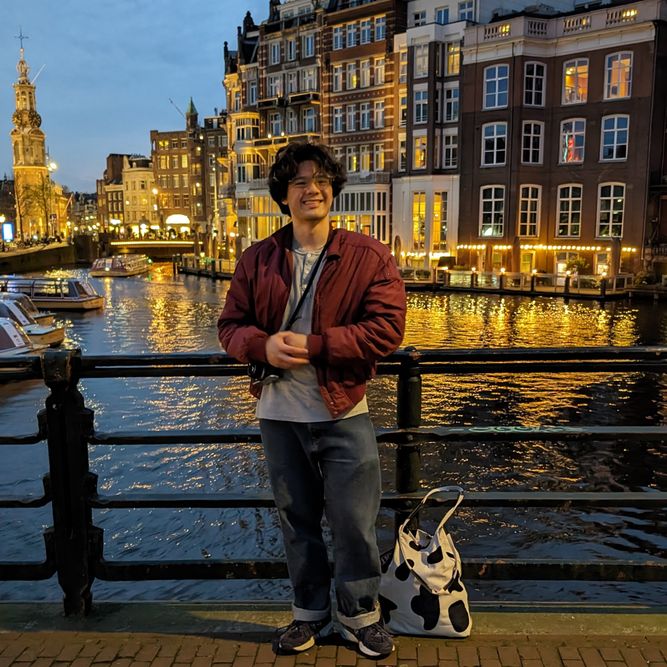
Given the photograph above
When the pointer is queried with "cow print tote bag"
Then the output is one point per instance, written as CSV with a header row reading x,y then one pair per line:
x,y
421,592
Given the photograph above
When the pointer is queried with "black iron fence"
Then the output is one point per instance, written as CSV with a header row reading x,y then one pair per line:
x,y
74,545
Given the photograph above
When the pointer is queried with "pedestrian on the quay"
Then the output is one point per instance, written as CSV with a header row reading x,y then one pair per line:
x,y
312,309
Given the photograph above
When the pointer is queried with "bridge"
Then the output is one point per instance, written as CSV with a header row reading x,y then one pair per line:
x,y
154,248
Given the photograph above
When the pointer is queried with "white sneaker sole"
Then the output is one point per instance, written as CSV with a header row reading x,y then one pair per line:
x,y
349,636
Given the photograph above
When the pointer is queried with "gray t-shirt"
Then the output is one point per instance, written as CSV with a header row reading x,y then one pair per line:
x,y
296,396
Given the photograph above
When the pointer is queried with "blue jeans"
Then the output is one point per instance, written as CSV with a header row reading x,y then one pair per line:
x,y
332,468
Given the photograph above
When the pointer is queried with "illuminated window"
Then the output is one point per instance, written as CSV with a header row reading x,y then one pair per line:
x,y
534,84
378,157
611,206
575,81
496,86
618,76
418,220
419,152
572,140
531,142
614,141
439,240
494,144
365,158
492,210
352,159
529,209
569,210
351,80
453,58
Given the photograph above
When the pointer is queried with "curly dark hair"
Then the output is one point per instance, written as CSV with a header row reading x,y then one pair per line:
x,y
286,167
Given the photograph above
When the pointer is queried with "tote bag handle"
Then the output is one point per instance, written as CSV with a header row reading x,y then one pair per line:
x,y
441,489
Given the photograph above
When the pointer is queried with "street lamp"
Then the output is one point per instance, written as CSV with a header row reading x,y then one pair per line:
x,y
51,166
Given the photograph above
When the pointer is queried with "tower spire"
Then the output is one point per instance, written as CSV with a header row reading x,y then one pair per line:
x,y
22,66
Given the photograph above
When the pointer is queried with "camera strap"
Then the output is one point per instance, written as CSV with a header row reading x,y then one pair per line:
x,y
311,278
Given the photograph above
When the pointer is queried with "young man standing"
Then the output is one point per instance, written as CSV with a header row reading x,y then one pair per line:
x,y
320,306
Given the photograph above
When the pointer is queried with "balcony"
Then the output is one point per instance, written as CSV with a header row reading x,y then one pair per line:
x,y
304,97
370,177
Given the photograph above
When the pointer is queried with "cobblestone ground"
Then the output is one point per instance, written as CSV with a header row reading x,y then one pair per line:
x,y
109,649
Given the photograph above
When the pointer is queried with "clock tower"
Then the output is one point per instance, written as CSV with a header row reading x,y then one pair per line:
x,y
31,175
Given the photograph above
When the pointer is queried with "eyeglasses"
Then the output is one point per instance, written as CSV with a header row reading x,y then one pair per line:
x,y
321,181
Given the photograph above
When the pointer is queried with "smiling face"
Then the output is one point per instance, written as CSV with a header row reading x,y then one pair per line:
x,y
309,195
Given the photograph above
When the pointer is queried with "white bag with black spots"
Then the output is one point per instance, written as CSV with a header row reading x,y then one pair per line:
x,y
421,592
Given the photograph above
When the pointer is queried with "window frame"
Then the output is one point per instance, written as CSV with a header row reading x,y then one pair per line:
x,y
497,93
608,73
576,63
575,133
530,148
496,149
493,224
537,212
534,78
559,211
420,105
615,130
612,196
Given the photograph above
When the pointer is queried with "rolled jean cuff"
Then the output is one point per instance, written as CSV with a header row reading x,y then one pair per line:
x,y
310,615
360,620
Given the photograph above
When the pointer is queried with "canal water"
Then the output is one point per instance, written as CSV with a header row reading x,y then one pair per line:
x,y
163,313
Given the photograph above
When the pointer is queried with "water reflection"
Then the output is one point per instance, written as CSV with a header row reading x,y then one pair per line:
x,y
161,313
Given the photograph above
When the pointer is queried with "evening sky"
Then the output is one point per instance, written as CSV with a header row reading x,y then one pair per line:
x,y
110,69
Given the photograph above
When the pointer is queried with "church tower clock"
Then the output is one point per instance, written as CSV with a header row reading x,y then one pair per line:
x,y
32,182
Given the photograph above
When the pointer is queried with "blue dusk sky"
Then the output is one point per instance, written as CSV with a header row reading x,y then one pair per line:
x,y
109,71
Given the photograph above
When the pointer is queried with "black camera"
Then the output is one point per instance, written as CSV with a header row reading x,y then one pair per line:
x,y
261,373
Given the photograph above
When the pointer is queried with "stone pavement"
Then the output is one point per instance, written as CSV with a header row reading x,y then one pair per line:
x,y
201,635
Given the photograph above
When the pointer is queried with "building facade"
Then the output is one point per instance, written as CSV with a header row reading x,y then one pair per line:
x,y
33,188
140,196
565,119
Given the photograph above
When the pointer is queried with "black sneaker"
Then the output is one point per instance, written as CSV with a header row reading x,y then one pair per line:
x,y
373,640
300,635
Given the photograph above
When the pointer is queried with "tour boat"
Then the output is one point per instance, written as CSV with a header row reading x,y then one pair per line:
x,y
14,341
43,317
38,333
55,293
120,265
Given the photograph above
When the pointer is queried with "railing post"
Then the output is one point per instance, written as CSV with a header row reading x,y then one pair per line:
x,y
408,415
68,426
603,287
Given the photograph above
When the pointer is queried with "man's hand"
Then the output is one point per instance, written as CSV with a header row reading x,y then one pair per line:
x,y
287,350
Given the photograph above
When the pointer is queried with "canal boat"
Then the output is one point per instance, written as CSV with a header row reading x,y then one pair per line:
x,y
14,342
43,317
38,333
55,293
120,265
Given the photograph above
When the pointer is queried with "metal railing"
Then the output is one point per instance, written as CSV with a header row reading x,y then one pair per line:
x,y
74,545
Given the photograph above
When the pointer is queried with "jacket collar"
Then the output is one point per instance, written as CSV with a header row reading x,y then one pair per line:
x,y
284,237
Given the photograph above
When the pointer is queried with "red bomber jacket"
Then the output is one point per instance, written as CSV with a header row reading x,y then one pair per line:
x,y
358,310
